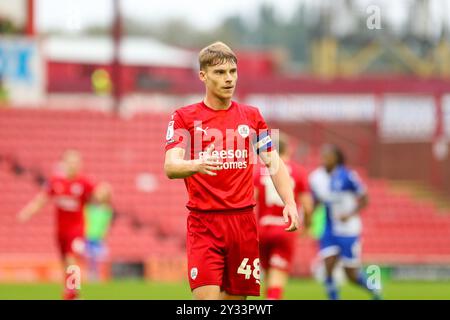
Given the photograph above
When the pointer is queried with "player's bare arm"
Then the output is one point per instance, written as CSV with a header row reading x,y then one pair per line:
x,y
307,202
33,207
176,167
282,182
101,193
362,202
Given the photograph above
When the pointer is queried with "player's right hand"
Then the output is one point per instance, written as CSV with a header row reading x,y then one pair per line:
x,y
209,163
290,212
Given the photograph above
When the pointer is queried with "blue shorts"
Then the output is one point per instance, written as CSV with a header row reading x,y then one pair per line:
x,y
95,249
347,248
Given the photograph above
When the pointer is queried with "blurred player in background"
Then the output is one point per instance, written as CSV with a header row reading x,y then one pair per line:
x,y
343,195
277,247
218,136
98,216
70,191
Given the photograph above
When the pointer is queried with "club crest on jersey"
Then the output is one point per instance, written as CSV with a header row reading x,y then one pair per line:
x,y
76,189
244,130
194,273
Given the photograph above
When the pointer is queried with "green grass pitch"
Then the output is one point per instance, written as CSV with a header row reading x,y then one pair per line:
x,y
297,289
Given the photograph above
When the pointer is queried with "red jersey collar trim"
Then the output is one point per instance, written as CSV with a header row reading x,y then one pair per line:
x,y
203,104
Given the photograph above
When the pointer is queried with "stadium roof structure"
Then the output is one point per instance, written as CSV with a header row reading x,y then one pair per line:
x,y
132,51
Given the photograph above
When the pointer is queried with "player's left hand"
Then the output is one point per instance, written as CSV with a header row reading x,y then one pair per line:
x,y
345,218
290,211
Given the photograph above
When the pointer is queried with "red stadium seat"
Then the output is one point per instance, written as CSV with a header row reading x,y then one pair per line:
x,y
153,221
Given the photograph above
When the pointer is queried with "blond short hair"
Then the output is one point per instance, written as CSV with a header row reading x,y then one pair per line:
x,y
71,153
214,54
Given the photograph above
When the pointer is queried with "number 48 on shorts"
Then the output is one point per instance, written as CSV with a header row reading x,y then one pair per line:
x,y
249,270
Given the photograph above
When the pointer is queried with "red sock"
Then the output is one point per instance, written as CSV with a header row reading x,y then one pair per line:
x,y
274,293
69,293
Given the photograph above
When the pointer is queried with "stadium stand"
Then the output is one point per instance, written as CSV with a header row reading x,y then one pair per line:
x,y
151,219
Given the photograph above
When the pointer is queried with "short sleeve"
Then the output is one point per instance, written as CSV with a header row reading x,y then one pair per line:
x,y
48,187
301,181
319,185
313,189
177,134
262,140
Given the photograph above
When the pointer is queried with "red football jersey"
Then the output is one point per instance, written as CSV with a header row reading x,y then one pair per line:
x,y
69,197
239,134
270,205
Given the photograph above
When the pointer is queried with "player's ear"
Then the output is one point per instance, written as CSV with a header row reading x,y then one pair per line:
x,y
202,75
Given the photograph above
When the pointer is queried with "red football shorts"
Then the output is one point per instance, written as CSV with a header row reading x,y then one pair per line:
x,y
222,250
70,244
277,247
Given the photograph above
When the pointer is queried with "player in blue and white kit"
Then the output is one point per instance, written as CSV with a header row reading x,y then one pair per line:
x,y
342,193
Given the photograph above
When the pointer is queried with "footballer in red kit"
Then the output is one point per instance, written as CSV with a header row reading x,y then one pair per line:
x,y
69,192
69,197
213,145
277,247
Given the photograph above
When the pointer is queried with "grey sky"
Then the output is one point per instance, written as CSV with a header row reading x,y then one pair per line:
x,y
75,14
201,13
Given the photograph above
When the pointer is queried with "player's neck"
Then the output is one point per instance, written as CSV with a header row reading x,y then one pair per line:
x,y
216,103
71,176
